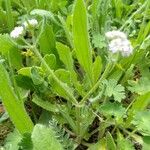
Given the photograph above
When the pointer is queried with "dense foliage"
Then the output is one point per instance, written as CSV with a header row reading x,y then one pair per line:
x,y
75,74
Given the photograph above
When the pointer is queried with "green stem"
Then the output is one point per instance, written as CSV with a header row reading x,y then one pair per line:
x,y
104,75
60,83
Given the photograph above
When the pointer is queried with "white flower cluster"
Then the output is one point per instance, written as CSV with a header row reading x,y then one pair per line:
x,y
19,31
30,23
119,43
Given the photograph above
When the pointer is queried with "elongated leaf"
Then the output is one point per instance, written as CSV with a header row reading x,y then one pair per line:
x,y
45,104
81,37
65,55
12,104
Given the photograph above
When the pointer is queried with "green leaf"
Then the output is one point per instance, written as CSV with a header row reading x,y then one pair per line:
x,y
64,76
101,145
24,82
65,55
99,41
47,105
146,142
123,144
81,37
113,109
12,140
97,68
26,142
114,89
26,71
36,77
12,104
10,51
140,103
50,60
44,138
46,39
141,121
140,86
110,142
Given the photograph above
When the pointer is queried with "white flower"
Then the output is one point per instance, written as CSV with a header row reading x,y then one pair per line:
x,y
30,23
119,43
17,32
115,34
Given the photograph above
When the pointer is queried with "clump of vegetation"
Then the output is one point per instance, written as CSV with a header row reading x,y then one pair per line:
x,y
75,74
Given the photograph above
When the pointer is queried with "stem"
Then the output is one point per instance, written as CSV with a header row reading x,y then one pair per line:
x,y
104,75
60,83
78,118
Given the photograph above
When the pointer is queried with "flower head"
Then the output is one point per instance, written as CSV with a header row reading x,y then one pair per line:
x,y
118,42
30,23
17,32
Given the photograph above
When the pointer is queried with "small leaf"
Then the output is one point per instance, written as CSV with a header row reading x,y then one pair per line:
x,y
112,109
114,89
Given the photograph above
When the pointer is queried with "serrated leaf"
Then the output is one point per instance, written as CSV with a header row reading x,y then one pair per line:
x,y
140,86
98,41
81,37
114,89
141,121
44,138
112,109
